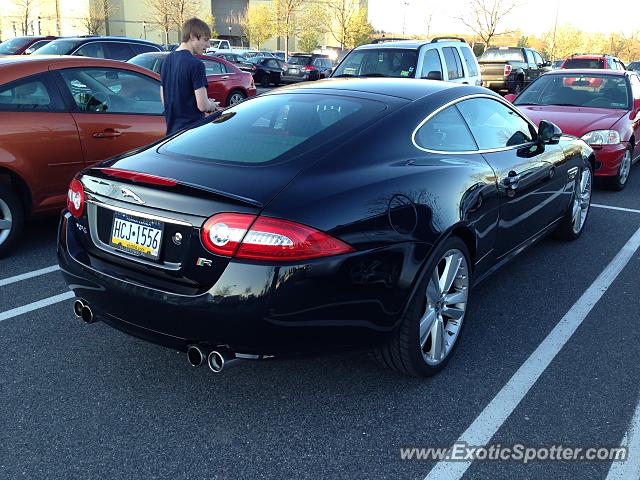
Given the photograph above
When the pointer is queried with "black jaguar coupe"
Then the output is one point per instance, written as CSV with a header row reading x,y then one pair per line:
x,y
351,213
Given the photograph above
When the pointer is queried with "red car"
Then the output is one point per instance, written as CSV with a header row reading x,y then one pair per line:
x,y
226,83
592,61
59,115
24,45
600,106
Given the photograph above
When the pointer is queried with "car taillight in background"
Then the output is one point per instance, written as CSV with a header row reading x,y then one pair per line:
x,y
75,198
309,67
507,70
242,235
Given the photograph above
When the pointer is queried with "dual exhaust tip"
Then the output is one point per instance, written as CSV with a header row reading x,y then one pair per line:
x,y
216,359
82,310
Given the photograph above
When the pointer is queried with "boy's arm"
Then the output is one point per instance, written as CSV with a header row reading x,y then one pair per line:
x,y
204,104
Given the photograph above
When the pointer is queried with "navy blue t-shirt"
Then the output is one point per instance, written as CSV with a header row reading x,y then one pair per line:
x,y
181,74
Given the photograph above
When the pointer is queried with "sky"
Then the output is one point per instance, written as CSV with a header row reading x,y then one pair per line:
x,y
533,17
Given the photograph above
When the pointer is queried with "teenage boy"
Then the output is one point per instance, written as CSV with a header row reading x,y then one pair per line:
x,y
183,83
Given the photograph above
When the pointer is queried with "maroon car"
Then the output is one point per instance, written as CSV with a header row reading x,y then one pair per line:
x,y
24,45
600,106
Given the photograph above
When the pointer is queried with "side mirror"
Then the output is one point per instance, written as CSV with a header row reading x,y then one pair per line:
x,y
329,71
434,75
510,97
548,133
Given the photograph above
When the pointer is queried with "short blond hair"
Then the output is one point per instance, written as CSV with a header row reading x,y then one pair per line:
x,y
197,28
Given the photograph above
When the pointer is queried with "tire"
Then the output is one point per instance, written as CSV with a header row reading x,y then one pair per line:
x,y
405,352
11,219
235,97
619,181
572,224
264,81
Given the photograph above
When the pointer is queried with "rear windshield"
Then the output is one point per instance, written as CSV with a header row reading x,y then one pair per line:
x,y
503,55
389,62
273,128
150,62
57,47
594,91
9,47
634,66
299,60
584,63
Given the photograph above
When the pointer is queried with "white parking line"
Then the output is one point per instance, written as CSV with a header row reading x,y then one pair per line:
x,y
631,467
35,305
609,207
504,403
25,276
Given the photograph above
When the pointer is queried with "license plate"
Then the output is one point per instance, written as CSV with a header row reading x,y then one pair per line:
x,y
293,71
137,236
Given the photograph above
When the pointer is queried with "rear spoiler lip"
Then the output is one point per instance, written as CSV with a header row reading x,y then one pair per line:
x,y
96,174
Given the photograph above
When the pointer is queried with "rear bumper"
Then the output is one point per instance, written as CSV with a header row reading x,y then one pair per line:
x,y
609,157
299,78
351,300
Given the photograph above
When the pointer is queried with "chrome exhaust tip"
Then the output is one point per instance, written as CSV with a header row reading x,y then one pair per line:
x,y
219,359
195,355
78,305
87,314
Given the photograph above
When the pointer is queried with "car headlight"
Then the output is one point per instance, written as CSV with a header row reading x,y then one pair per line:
x,y
602,137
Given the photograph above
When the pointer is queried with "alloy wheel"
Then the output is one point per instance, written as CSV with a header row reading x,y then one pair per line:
x,y
582,201
625,168
235,98
6,221
446,304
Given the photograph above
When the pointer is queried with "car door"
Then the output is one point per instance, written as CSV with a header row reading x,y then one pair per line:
x,y
455,72
531,188
39,139
635,89
116,109
219,81
533,71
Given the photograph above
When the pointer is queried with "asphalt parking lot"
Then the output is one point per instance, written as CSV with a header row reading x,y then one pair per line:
x,y
86,401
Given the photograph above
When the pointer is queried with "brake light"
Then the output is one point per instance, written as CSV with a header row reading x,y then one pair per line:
x,y
309,67
75,198
139,177
507,70
242,235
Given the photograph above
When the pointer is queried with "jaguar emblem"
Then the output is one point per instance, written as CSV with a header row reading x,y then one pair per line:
x,y
126,193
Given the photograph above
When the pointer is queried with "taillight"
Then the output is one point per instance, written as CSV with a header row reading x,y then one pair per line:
x,y
139,177
309,67
75,198
242,235
507,70
254,68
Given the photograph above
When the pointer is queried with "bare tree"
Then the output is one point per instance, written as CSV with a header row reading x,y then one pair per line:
x,y
288,19
342,11
183,10
159,14
484,17
25,10
95,18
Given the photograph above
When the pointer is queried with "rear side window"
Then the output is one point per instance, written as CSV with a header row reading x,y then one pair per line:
x,y
93,49
28,95
454,64
118,51
150,62
98,90
431,63
140,48
470,58
274,127
446,132
212,67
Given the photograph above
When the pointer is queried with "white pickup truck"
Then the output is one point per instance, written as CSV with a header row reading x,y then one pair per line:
x,y
216,44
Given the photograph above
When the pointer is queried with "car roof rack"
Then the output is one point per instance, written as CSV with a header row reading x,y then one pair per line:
x,y
445,38
388,39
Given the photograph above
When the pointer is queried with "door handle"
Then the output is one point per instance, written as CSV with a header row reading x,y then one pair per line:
x,y
510,183
225,77
107,133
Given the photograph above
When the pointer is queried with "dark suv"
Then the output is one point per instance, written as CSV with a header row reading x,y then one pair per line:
x,y
307,66
114,48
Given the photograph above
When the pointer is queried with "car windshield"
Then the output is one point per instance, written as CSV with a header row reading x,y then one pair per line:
x,y
299,60
584,63
502,55
273,128
382,62
595,91
58,47
9,47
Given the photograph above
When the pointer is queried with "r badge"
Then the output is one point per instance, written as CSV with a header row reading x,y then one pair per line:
x,y
203,262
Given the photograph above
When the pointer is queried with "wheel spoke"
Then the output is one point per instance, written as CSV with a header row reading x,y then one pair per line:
x,y
577,213
584,182
433,288
454,313
425,325
455,297
451,268
5,224
438,348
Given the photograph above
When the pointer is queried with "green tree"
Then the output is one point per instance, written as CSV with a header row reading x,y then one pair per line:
x,y
308,41
257,24
360,30
288,19
211,21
